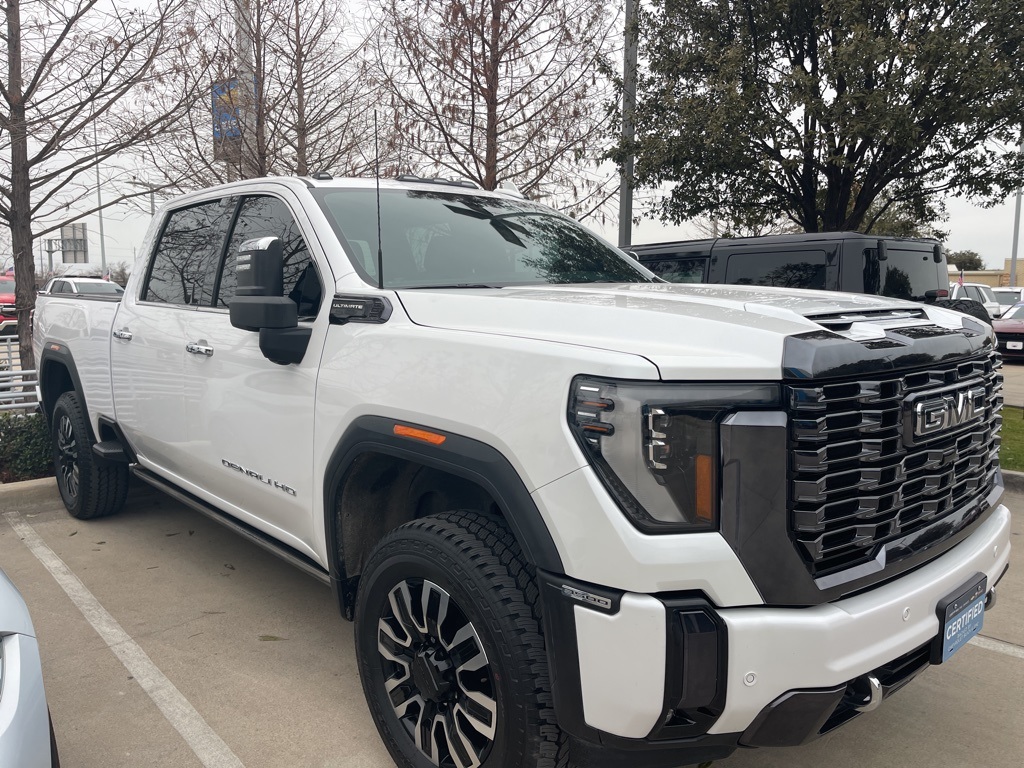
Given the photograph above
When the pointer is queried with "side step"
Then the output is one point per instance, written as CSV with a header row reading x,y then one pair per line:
x,y
254,535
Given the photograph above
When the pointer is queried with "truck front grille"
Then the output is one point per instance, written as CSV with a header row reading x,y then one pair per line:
x,y
861,474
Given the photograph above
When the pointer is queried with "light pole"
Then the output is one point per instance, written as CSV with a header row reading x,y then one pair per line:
x,y
99,203
1016,227
152,192
628,127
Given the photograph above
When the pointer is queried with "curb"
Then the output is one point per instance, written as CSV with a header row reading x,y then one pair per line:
x,y
1013,481
28,491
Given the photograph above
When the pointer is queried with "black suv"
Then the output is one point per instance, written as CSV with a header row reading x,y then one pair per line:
x,y
901,268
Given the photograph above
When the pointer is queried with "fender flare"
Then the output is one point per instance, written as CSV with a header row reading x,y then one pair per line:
x,y
462,456
57,353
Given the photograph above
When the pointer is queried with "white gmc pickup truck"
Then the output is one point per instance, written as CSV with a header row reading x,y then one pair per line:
x,y
578,515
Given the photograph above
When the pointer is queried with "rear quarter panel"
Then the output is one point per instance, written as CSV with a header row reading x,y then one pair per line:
x,y
83,326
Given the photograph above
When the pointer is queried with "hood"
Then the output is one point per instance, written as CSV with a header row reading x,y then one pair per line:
x,y
687,331
1008,325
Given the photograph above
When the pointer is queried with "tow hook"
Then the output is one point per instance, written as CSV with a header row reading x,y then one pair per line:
x,y
864,693
990,601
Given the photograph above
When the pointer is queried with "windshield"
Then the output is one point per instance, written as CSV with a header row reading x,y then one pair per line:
x,y
455,239
105,288
1014,313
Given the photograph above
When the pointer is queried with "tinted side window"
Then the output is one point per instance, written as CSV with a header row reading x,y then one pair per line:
x,y
270,217
679,270
186,257
792,269
61,287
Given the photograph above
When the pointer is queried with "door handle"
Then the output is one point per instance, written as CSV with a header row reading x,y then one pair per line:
x,y
124,334
199,348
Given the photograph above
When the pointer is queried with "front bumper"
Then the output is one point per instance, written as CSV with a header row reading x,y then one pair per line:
x,y
660,680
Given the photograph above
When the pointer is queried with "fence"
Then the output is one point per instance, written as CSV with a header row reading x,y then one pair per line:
x,y
17,387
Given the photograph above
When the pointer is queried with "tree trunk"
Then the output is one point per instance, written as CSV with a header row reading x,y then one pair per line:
x,y
493,64
21,201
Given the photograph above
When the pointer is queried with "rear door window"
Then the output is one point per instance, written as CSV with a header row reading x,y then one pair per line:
x,y
787,269
185,263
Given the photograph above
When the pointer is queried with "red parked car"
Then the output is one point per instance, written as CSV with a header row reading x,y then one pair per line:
x,y
8,319
1010,332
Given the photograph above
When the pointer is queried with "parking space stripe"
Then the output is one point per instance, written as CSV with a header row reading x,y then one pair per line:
x,y
203,740
990,644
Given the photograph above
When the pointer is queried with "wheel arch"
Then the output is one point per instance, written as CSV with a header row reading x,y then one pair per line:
x,y
59,374
377,480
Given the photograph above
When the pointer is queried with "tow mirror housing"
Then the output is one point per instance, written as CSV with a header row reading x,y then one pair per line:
x,y
261,306
259,299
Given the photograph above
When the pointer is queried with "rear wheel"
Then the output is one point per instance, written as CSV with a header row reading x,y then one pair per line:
x,y
450,650
88,486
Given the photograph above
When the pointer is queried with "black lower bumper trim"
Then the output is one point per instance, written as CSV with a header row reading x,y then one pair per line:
x,y
635,753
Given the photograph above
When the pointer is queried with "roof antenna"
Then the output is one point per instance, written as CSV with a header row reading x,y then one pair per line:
x,y
376,172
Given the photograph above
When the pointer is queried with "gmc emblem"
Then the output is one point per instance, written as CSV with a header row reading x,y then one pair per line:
x,y
933,414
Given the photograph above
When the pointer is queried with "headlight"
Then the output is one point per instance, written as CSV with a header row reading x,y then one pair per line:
x,y
655,446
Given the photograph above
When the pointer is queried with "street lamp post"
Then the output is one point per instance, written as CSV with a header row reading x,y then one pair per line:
x,y
152,192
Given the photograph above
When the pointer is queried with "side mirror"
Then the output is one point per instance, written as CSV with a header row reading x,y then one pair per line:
x,y
259,299
261,306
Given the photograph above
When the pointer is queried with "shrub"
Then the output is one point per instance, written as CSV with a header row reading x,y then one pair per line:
x,y
24,447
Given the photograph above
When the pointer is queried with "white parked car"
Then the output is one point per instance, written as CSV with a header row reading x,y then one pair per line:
x,y
26,736
1008,296
79,286
979,292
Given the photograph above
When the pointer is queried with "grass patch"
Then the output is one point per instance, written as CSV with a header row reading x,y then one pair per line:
x,y
1011,452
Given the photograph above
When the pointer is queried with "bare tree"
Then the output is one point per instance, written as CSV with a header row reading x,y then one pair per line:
x,y
309,108
85,81
501,90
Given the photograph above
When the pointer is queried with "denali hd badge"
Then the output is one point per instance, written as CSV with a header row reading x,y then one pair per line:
x,y
932,414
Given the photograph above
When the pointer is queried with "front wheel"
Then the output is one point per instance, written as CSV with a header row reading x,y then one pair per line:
x,y
88,486
450,649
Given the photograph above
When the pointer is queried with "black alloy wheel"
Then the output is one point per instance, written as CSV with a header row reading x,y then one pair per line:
x,y
66,458
450,650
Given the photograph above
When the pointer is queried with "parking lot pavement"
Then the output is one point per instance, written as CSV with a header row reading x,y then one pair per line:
x,y
239,659
1013,382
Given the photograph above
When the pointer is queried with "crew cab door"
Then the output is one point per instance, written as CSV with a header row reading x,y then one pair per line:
x,y
250,421
147,353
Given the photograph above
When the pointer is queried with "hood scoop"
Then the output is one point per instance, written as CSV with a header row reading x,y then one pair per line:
x,y
881,318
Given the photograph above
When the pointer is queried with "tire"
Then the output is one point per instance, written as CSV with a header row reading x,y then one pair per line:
x,y
54,757
481,617
968,307
88,486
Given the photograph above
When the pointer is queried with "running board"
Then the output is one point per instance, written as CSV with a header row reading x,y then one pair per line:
x,y
256,536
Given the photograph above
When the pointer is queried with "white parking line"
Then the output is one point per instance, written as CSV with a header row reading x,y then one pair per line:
x,y
989,644
208,746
